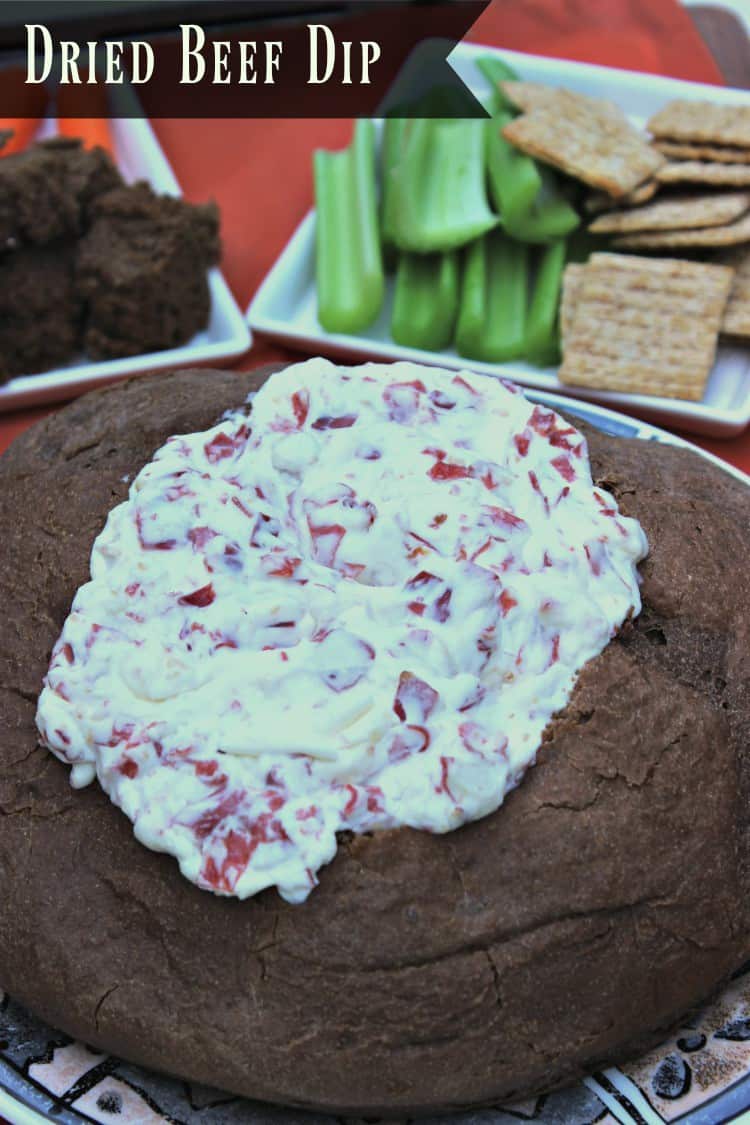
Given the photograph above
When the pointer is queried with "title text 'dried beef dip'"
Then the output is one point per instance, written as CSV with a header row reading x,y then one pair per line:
x,y
357,607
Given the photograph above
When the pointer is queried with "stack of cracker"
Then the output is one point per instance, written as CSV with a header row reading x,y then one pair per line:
x,y
697,218
707,151
642,325
705,147
600,201
704,143
648,325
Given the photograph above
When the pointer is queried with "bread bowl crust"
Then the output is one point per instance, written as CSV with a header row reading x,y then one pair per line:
x,y
604,899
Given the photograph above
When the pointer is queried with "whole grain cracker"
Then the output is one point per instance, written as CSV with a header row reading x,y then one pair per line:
x,y
643,325
699,209
730,235
601,201
736,320
687,150
668,267
529,96
572,276
683,120
700,172
597,145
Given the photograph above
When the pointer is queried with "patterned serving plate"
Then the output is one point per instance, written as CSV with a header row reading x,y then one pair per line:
x,y
699,1076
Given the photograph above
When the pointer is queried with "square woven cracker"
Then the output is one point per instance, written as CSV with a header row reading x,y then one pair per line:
x,y
730,235
700,172
600,201
668,267
529,96
703,121
699,209
645,326
687,150
572,277
736,320
593,142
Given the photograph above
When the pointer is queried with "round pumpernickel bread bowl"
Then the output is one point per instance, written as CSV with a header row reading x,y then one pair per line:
x,y
605,898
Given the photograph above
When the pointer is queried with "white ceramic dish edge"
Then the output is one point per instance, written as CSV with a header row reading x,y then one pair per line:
x,y
227,336
284,304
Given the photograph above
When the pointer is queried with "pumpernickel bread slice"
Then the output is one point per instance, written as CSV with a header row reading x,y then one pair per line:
x,y
605,898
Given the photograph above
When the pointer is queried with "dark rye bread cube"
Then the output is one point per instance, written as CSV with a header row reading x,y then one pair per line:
x,y
141,268
40,313
47,190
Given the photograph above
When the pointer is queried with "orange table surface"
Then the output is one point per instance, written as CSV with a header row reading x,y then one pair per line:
x,y
259,171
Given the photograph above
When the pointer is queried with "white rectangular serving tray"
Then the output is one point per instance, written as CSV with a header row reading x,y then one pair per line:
x,y
139,157
285,305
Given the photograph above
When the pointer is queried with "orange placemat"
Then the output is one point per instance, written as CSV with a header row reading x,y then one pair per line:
x,y
259,171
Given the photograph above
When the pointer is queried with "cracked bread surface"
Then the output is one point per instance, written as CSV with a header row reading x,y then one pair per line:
x,y
46,191
603,900
141,269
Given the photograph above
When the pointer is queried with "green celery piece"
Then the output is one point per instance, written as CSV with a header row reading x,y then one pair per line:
x,y
514,178
526,193
496,71
551,216
394,131
349,264
439,196
425,301
472,307
542,341
494,295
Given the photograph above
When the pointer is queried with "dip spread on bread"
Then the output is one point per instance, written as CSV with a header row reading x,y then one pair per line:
x,y
355,607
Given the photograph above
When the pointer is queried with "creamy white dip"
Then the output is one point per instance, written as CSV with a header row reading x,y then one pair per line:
x,y
357,607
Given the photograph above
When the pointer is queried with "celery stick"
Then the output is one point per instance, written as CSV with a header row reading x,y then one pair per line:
x,y
527,194
492,309
514,178
473,298
438,184
394,131
550,216
496,71
542,345
425,300
349,265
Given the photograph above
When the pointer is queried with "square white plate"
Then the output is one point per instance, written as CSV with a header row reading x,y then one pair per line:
x,y
285,305
139,157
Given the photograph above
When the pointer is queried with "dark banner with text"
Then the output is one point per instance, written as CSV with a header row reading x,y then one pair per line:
x,y
234,58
